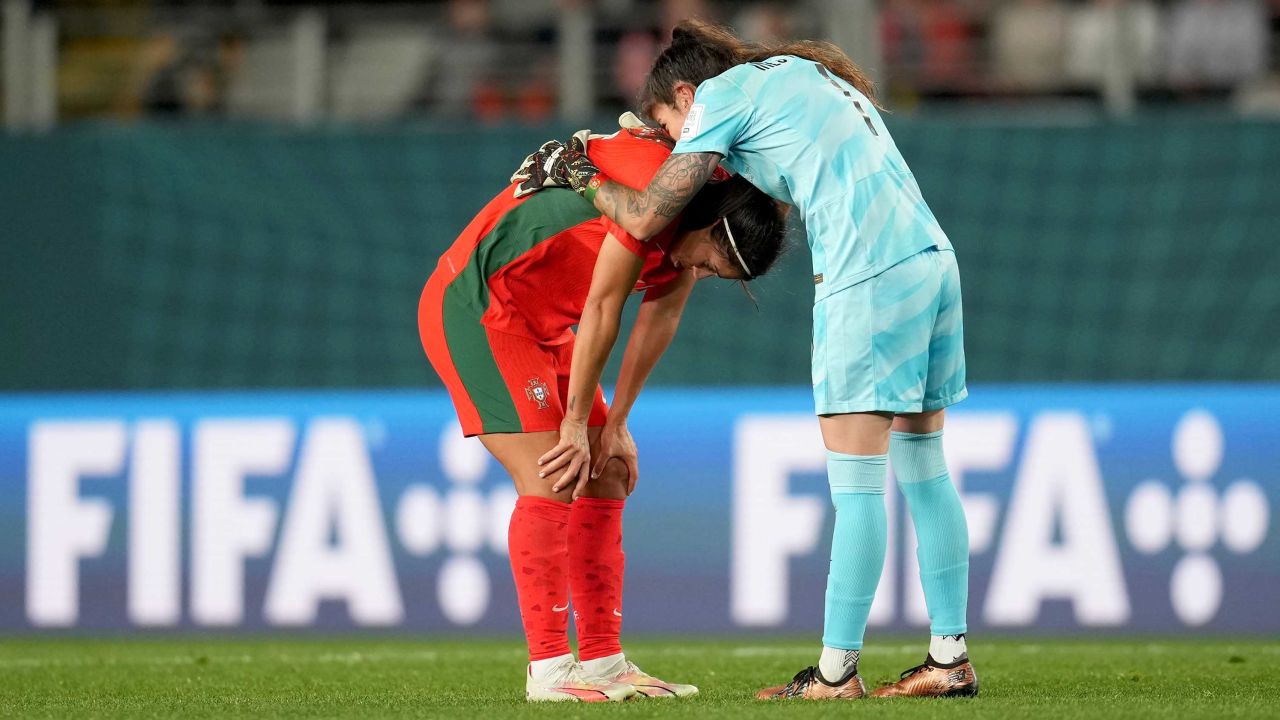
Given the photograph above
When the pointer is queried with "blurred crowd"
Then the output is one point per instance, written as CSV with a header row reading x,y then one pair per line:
x,y
498,60
1185,46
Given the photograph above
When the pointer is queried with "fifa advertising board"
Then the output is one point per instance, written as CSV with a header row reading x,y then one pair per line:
x,y
1090,508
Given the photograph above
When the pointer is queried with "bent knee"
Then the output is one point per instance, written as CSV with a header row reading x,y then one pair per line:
x,y
611,483
919,423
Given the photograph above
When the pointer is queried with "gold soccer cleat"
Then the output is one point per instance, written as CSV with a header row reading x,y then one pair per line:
x,y
808,684
930,679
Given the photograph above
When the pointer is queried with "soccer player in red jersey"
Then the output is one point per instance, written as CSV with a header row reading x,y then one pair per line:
x,y
495,319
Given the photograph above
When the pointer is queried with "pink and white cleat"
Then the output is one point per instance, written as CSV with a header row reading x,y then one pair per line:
x,y
646,685
566,682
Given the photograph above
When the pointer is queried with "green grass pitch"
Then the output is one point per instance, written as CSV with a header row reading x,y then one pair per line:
x,y
422,678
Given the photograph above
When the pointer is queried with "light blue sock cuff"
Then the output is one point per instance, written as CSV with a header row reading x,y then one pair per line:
x,y
850,474
917,458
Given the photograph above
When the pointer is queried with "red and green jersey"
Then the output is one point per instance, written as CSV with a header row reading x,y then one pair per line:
x,y
524,265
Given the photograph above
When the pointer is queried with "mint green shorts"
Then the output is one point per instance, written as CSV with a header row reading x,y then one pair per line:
x,y
893,342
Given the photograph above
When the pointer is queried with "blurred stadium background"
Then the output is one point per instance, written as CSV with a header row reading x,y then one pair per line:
x,y
217,218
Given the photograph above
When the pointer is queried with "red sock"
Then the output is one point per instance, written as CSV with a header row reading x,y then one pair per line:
x,y
537,544
596,564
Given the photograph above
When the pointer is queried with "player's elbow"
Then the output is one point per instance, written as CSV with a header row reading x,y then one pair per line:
x,y
603,308
644,226
662,313
648,226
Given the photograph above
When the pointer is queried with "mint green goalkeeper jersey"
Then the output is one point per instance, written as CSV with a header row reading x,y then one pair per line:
x,y
806,137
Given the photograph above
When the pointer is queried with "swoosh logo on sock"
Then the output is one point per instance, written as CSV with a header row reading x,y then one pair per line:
x,y
559,609
615,612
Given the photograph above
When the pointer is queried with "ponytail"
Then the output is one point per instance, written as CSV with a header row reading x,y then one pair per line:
x,y
700,51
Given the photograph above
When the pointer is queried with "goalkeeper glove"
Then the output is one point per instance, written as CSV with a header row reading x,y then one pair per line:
x,y
560,165
532,173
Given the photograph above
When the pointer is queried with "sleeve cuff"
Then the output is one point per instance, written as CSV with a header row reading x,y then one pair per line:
x,y
628,241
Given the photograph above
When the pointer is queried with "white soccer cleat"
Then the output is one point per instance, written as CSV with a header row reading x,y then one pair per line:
x,y
566,683
647,685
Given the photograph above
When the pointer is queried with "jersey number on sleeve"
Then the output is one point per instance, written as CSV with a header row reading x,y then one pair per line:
x,y
856,103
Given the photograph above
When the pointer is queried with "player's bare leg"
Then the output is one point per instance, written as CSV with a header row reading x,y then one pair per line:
x,y
857,444
539,552
936,512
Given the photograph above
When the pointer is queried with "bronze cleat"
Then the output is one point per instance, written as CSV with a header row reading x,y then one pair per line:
x,y
808,684
932,679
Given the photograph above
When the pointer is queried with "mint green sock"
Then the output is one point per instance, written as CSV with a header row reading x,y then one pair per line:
x,y
941,530
857,546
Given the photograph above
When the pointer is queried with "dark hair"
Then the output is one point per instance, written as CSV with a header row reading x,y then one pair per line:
x,y
758,223
700,51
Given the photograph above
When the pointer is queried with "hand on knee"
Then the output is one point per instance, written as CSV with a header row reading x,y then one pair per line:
x,y
611,483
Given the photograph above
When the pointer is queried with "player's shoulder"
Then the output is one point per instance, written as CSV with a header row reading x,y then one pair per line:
x,y
631,145
754,74
732,80
631,155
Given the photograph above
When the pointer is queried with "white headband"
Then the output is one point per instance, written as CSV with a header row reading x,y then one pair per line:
x,y
734,245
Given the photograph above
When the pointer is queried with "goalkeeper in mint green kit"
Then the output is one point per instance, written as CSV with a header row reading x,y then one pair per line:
x,y
799,122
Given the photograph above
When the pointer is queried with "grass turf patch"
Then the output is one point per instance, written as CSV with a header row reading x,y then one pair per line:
x,y
362,677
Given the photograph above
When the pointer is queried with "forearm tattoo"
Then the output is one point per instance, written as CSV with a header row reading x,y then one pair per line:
x,y
677,181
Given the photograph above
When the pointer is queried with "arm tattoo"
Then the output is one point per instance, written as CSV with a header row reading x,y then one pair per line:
x,y
677,181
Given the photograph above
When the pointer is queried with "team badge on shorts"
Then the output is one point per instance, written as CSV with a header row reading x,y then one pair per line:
x,y
539,393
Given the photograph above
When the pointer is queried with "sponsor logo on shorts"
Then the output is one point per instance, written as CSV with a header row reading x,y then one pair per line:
x,y
538,392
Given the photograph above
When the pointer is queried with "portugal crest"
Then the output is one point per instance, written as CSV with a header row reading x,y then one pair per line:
x,y
539,393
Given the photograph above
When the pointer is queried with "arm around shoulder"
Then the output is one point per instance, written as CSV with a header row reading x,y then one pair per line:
x,y
644,213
